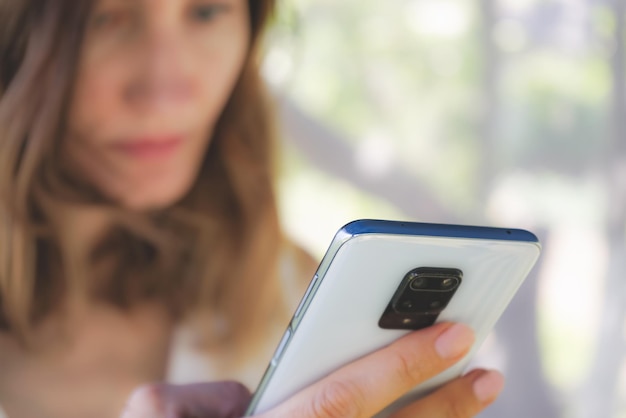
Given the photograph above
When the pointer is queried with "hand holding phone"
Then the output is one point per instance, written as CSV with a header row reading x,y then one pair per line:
x,y
378,281
366,386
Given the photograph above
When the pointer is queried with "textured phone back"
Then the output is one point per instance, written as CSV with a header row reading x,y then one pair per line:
x,y
339,323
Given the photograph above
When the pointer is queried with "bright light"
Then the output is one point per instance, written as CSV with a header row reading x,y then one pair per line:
x,y
439,18
277,66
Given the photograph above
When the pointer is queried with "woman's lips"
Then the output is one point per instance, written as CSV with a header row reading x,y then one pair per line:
x,y
149,148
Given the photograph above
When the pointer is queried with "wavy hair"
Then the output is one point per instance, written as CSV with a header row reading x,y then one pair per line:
x,y
214,252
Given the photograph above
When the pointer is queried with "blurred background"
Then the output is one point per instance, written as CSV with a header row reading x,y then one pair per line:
x,y
492,112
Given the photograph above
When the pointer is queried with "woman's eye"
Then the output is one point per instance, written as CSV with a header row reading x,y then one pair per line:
x,y
207,12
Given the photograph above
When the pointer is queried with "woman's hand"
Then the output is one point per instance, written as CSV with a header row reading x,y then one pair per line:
x,y
201,400
360,389
366,386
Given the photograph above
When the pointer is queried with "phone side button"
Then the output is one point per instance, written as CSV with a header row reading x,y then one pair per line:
x,y
281,346
303,302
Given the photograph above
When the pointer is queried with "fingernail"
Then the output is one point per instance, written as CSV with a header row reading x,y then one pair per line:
x,y
488,386
455,341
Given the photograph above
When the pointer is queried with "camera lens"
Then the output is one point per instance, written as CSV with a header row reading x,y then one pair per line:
x,y
436,304
418,283
407,305
448,283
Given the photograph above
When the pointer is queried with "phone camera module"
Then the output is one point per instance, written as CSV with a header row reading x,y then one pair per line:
x,y
421,297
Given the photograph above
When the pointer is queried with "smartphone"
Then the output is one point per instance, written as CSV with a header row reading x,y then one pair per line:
x,y
378,281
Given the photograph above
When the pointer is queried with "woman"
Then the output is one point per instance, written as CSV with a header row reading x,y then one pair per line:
x,y
137,216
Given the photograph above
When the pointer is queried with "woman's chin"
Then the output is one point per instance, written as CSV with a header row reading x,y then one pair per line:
x,y
143,201
142,189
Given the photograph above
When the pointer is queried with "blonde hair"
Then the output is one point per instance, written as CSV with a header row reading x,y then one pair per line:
x,y
215,251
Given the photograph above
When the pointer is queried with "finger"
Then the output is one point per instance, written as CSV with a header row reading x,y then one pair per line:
x,y
464,397
366,386
208,400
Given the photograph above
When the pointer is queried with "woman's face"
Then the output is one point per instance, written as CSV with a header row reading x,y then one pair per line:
x,y
153,78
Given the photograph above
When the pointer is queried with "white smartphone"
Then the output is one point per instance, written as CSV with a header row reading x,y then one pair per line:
x,y
381,279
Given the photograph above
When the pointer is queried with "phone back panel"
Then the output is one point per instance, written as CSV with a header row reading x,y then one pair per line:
x,y
337,321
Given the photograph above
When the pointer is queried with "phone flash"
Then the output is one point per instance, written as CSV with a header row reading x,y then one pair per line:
x,y
407,321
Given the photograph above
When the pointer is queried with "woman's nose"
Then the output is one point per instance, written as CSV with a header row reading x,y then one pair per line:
x,y
161,80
